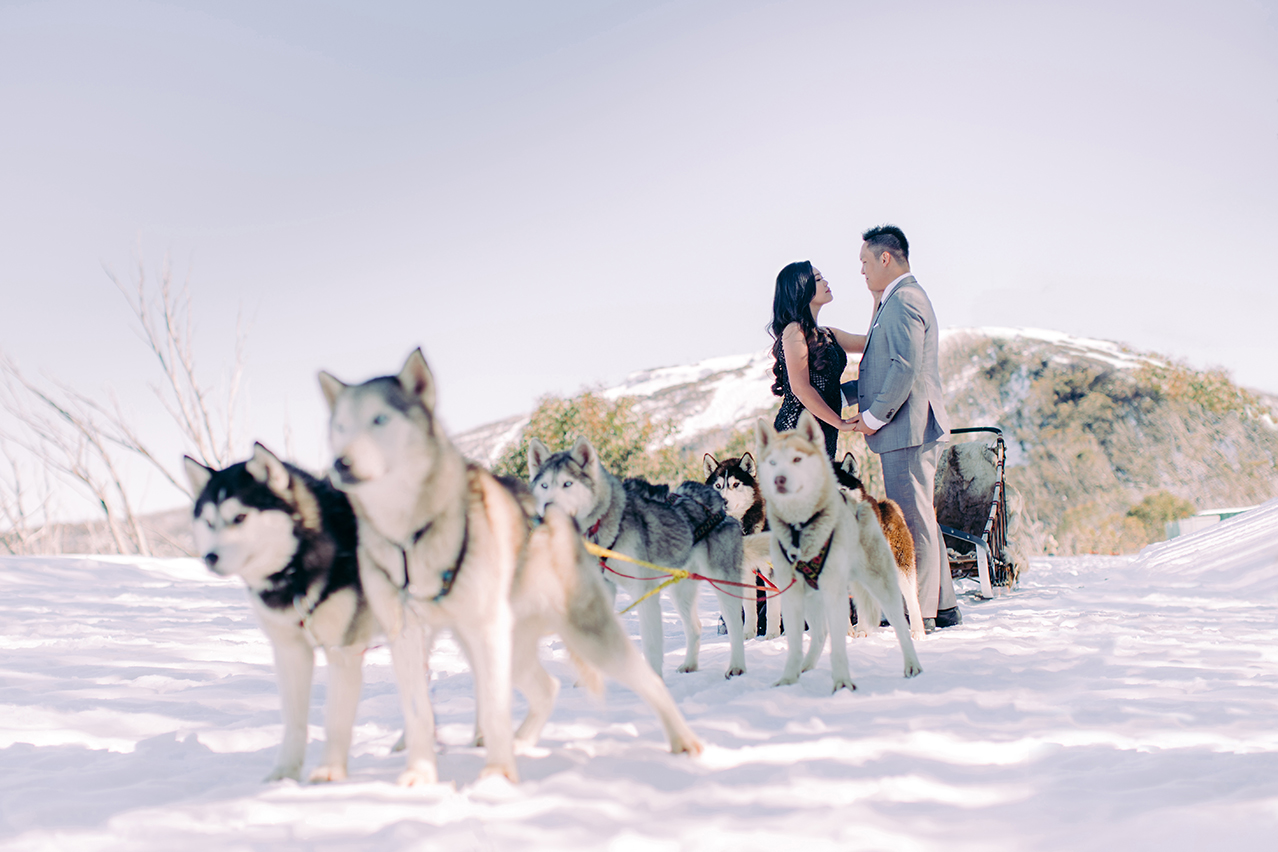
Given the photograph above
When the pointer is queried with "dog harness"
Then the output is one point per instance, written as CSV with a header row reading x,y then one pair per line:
x,y
810,569
707,526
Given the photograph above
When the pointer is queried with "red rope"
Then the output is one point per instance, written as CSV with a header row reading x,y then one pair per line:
x,y
713,582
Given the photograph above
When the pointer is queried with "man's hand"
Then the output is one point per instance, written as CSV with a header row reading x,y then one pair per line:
x,y
858,425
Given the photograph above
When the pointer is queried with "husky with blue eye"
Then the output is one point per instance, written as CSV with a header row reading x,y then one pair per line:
x,y
292,539
445,545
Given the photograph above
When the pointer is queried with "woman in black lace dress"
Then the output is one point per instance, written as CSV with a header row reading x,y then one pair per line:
x,y
809,359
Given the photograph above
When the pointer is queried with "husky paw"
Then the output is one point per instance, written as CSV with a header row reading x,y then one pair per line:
x,y
418,777
913,669
691,747
282,771
787,680
688,667
400,744
734,671
496,770
772,635
325,774
916,635
843,683
858,632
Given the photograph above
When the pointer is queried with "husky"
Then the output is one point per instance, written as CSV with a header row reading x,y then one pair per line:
x,y
828,546
736,479
632,520
897,533
443,544
292,539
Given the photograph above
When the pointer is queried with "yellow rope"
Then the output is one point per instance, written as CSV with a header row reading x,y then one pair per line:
x,y
676,574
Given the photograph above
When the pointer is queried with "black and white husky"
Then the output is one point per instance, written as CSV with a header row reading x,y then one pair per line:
x,y
635,519
736,480
292,539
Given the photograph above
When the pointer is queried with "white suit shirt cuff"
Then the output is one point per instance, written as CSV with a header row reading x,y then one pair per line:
x,y
873,422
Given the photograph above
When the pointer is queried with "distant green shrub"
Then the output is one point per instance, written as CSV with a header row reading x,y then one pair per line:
x,y
623,435
1157,509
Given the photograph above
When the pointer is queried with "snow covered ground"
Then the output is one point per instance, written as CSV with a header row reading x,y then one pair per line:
x,y
1108,703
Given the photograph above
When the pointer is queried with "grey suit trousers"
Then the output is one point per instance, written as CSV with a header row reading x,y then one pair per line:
x,y
909,475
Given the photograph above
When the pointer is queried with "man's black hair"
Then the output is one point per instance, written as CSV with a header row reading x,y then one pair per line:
x,y
888,238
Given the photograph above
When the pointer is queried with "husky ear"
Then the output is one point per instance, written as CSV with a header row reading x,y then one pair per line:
x,y
416,379
332,387
809,428
848,465
537,455
764,434
748,465
584,454
197,474
710,464
269,470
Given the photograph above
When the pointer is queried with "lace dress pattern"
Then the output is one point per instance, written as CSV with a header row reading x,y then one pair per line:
x,y
824,381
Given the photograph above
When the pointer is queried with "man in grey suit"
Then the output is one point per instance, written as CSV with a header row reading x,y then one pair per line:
x,y
902,411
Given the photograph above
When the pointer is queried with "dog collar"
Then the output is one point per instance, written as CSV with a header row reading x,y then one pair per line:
x,y
449,575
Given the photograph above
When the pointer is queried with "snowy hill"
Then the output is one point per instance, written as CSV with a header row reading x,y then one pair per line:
x,y
1093,428
1108,702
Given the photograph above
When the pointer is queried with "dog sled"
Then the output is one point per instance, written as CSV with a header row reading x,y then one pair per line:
x,y
971,509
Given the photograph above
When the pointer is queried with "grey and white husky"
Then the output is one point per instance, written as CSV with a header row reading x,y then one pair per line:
x,y
634,521
830,546
291,538
445,544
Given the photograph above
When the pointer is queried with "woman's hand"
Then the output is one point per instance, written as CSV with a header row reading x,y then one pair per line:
x,y
856,424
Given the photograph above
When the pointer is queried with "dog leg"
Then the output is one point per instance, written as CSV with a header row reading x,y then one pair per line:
x,y
685,599
888,591
489,647
594,635
650,626
910,590
792,607
749,608
835,599
868,613
345,678
772,617
817,630
538,687
410,656
294,667
728,606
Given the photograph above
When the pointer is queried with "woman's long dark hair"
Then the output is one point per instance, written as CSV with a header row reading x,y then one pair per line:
x,y
796,286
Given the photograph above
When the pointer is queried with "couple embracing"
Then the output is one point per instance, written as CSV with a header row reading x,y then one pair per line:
x,y
901,409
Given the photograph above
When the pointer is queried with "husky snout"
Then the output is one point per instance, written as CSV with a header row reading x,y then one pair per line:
x,y
778,482
210,559
345,473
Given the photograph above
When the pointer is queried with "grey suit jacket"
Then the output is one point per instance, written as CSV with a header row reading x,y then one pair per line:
x,y
899,379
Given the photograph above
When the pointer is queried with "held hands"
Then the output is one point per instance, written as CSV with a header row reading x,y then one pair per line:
x,y
856,424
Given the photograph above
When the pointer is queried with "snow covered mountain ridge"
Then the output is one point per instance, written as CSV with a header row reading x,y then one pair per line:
x,y
729,392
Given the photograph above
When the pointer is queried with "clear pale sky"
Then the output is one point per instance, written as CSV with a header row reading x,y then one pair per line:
x,y
550,195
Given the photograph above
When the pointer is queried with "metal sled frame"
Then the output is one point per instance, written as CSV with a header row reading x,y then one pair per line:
x,y
988,561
